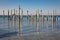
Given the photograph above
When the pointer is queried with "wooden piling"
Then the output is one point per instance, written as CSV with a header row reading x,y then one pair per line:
x,y
53,21
20,23
47,20
3,18
40,20
8,21
36,23
11,21
14,21
42,17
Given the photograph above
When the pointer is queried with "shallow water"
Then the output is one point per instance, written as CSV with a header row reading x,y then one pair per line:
x,y
28,26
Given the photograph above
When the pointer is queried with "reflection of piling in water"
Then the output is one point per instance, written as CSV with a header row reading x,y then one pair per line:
x,y
57,23
32,19
57,20
47,26
42,19
11,21
14,21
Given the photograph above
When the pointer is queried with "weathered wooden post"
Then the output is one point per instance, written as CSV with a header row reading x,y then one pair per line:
x,y
47,20
20,25
40,20
36,23
14,21
53,21
8,21
11,21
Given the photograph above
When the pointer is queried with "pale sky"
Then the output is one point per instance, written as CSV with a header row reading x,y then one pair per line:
x,y
31,5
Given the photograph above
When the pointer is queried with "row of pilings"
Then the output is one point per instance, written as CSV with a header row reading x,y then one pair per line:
x,y
37,16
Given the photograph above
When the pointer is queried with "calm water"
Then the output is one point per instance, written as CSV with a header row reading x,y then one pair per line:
x,y
28,26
